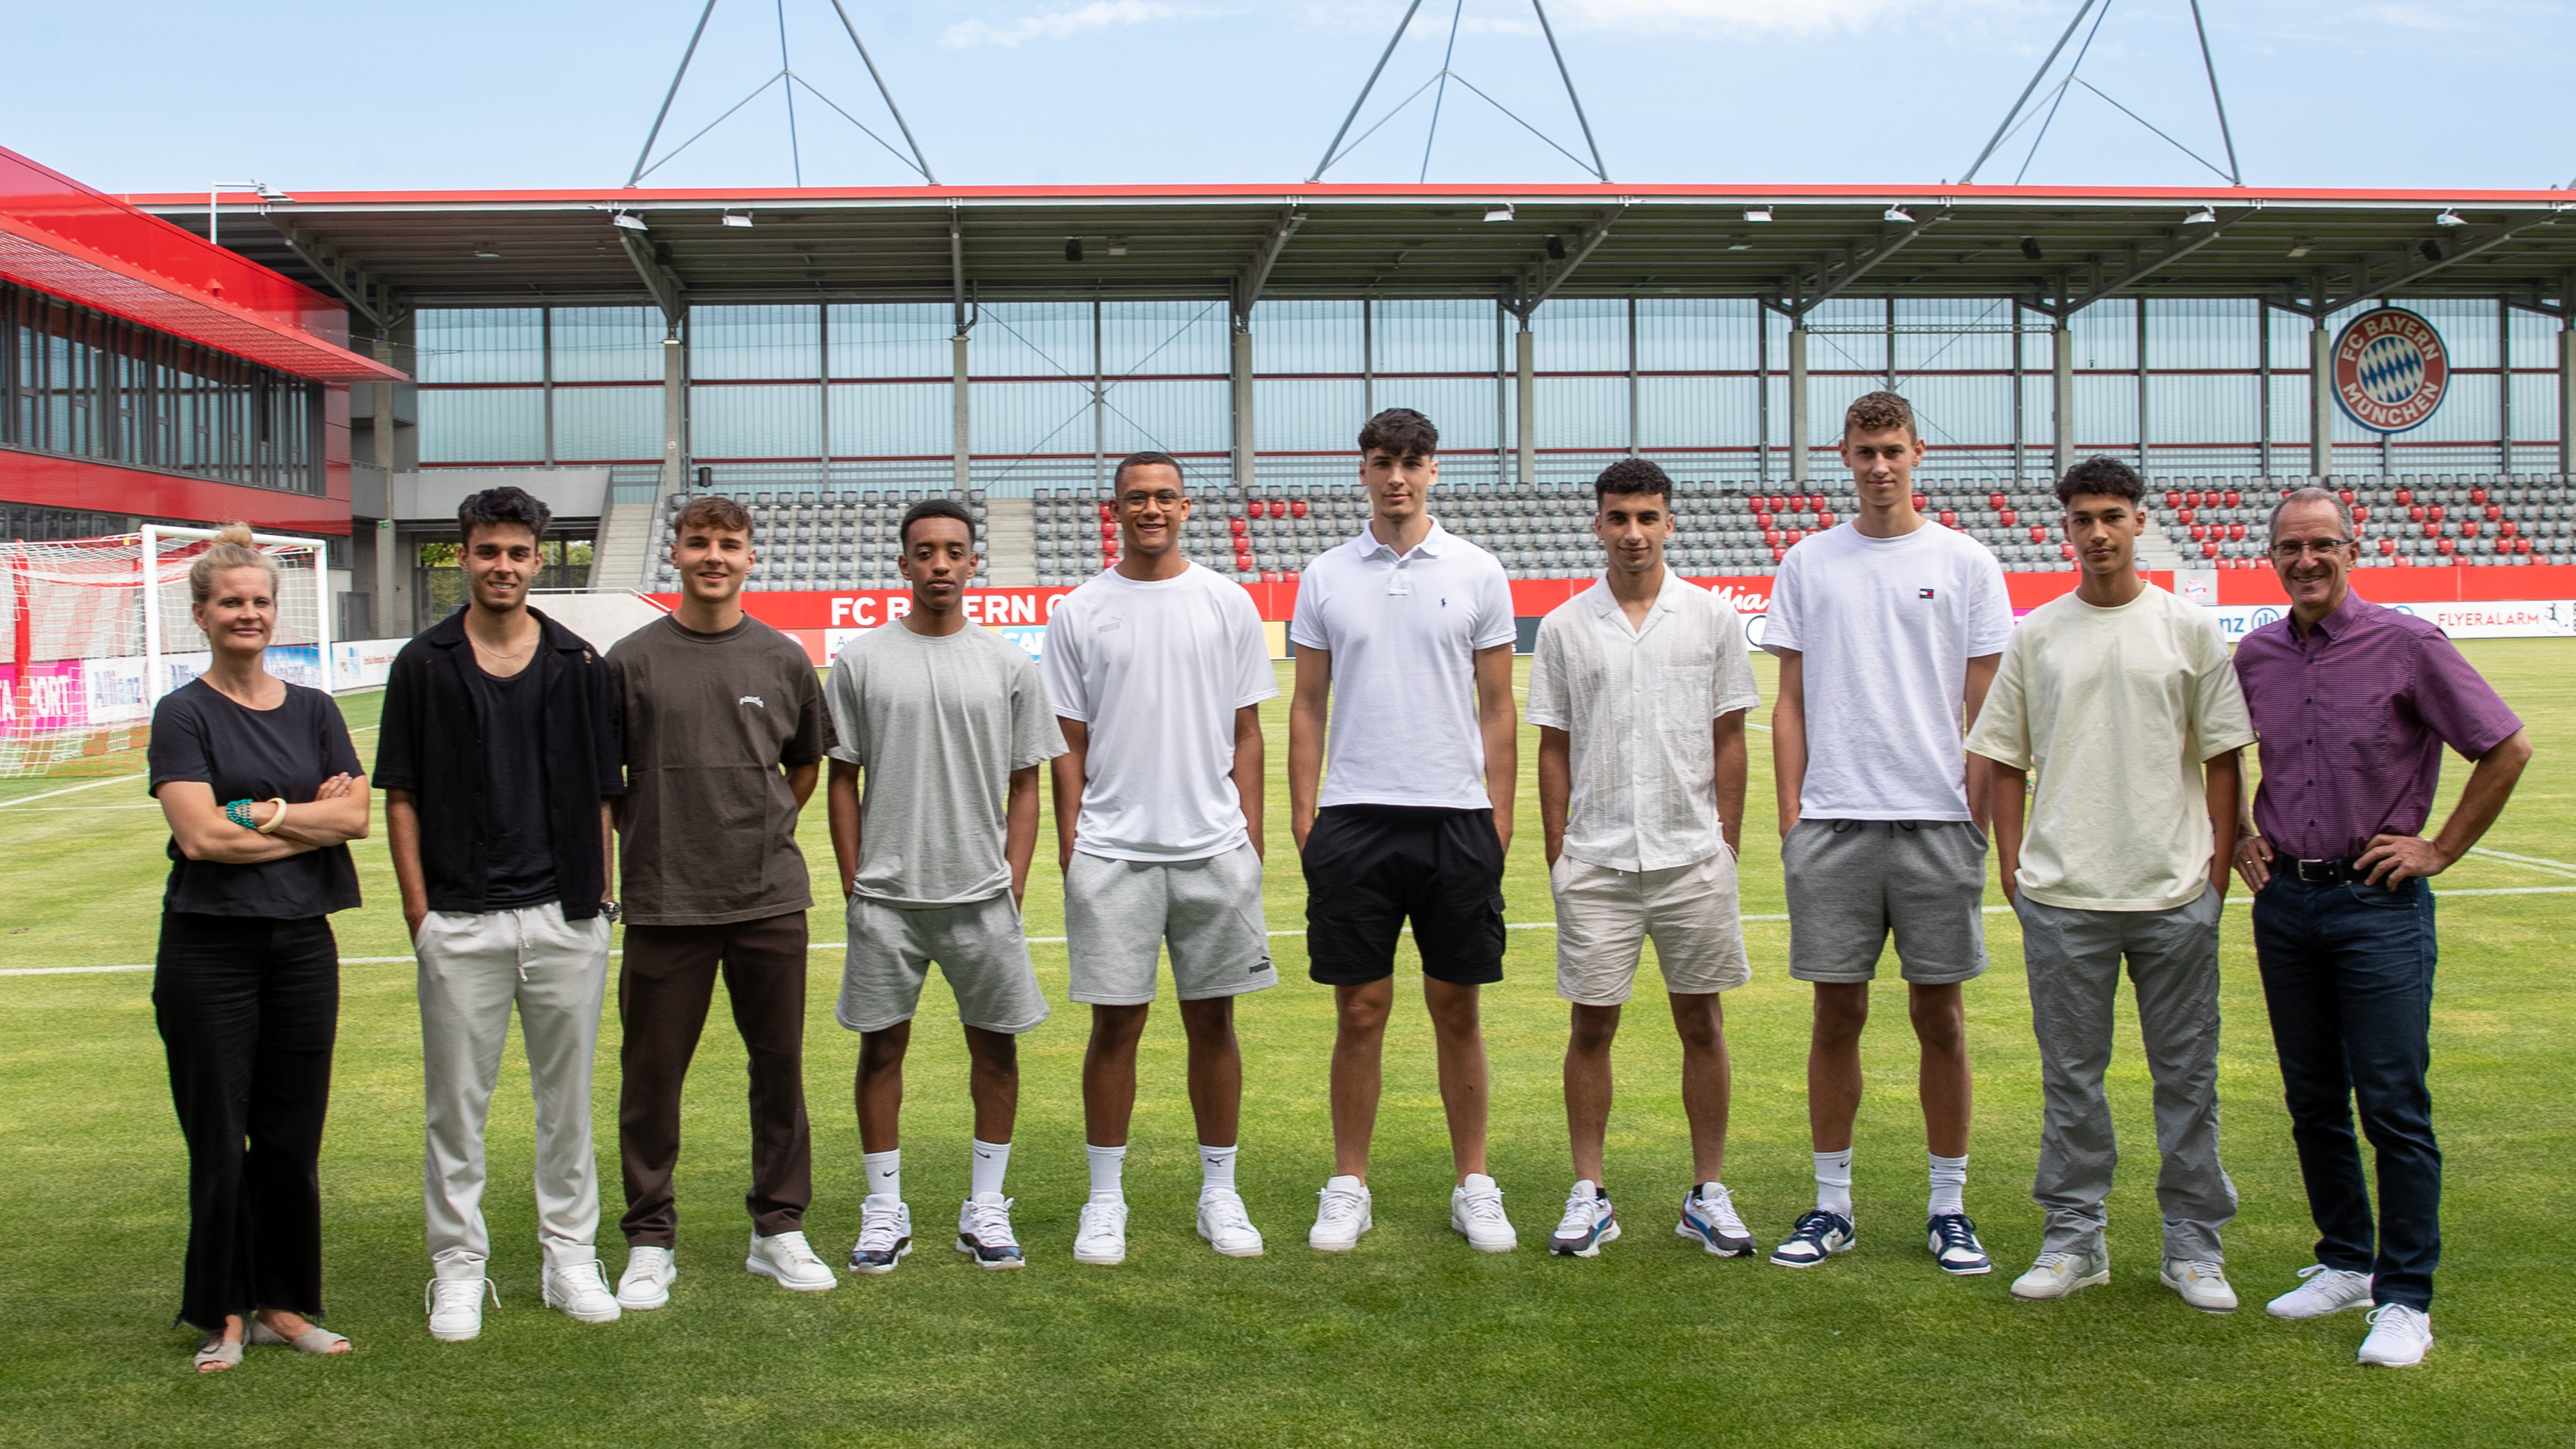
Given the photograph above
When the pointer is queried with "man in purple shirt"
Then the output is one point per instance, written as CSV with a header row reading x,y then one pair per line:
x,y
2353,704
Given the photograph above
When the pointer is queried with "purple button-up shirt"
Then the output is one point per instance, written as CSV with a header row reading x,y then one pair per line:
x,y
2352,722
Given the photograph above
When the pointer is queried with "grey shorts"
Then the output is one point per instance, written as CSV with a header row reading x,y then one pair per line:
x,y
1851,882
979,947
1119,913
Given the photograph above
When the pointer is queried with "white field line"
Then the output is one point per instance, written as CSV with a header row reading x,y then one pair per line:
x,y
116,780
1059,940
2536,862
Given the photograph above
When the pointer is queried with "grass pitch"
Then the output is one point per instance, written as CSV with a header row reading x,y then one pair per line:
x,y
1413,1339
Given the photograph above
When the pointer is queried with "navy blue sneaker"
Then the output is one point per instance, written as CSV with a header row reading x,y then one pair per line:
x,y
1953,1240
1818,1236
1587,1224
984,1232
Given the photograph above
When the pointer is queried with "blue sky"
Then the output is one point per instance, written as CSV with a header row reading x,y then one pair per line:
x,y
145,95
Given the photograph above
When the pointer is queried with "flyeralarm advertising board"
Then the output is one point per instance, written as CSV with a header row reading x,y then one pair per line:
x,y
2390,370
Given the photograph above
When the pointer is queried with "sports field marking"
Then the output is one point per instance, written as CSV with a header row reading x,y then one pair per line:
x,y
68,789
1059,940
2538,862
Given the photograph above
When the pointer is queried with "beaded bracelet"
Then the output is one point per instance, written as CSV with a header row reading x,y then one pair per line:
x,y
238,811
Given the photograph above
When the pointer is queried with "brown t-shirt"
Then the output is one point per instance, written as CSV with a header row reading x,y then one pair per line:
x,y
709,830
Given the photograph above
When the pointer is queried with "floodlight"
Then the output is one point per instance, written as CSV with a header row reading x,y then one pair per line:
x,y
1896,213
1073,249
1499,211
1555,248
2202,217
2030,248
628,220
271,193
1757,213
2299,246
731,218
2448,217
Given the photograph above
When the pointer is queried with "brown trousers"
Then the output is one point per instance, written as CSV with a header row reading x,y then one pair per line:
x,y
663,993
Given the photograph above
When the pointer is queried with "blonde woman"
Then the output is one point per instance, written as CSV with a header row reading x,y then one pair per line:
x,y
263,792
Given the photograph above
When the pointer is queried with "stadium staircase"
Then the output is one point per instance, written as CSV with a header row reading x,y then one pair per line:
x,y
1011,543
626,538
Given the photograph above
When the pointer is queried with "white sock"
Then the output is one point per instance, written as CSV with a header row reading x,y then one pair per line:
x,y
1833,1182
1949,1181
1106,1165
992,1159
1216,1168
885,1172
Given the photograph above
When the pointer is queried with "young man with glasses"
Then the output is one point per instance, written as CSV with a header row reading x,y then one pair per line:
x,y
725,737
1157,668
1404,642
1639,690
950,724
1887,628
501,760
2120,699
2354,704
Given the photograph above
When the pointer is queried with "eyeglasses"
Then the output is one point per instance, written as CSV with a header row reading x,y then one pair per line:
x,y
2288,550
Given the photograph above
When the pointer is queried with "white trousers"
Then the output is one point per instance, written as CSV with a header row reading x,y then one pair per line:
x,y
473,965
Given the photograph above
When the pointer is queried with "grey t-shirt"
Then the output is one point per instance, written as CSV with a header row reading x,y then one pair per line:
x,y
937,723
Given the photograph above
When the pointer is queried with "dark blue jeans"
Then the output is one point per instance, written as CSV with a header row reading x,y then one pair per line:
x,y
2348,980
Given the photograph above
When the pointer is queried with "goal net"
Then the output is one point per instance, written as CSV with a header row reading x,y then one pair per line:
x,y
94,631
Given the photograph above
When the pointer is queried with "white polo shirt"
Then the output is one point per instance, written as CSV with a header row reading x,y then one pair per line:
x,y
1636,705
1403,631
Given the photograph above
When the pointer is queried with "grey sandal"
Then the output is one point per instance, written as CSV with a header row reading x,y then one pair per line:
x,y
216,1354
311,1340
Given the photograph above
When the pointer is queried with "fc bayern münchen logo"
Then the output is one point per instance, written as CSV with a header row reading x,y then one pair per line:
x,y
2390,370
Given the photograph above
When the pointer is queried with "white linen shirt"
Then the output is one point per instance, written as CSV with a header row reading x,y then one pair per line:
x,y
1637,705
1403,632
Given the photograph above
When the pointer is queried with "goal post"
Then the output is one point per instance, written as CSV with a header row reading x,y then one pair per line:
x,y
93,632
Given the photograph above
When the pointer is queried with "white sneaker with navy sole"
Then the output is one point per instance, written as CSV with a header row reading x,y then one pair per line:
x,y
786,1259
885,1234
1588,1223
1709,1219
984,1232
1952,1239
1814,1238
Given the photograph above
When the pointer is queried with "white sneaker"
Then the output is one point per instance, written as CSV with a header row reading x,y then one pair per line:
x,y
1341,1216
456,1307
1587,1224
1101,1237
984,1232
2057,1274
2323,1290
1710,1220
1227,1224
787,1259
1476,1209
885,1234
646,1283
2203,1285
2399,1335
580,1291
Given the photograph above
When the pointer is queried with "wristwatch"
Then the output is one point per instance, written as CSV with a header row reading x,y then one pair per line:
x,y
609,912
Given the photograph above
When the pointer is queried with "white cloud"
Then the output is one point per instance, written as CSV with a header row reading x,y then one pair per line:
x,y
1061,24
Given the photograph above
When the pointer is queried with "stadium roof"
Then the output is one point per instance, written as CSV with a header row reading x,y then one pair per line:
x,y
2054,247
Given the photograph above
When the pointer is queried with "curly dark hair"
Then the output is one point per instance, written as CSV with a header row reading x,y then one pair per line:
x,y
1876,412
1632,475
503,507
1402,432
936,508
2102,478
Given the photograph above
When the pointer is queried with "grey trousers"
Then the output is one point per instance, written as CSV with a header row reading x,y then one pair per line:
x,y
2073,959
473,968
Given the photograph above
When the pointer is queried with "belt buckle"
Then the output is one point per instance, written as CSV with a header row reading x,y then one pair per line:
x,y
2319,872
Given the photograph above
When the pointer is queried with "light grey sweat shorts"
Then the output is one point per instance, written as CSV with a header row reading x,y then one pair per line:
x,y
1118,914
979,947
1853,882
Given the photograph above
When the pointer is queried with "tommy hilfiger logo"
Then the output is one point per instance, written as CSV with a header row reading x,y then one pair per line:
x,y
1922,593
755,699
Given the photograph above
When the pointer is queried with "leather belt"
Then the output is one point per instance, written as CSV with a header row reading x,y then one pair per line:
x,y
2324,872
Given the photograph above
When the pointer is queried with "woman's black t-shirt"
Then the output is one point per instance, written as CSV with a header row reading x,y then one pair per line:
x,y
253,754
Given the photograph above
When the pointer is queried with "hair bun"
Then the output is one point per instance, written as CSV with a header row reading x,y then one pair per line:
x,y
236,533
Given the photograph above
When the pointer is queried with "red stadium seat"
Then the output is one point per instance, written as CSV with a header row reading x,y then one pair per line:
x,y
2185,514
2405,495
2237,500
2039,535
2468,528
2477,495
2415,513
1824,518
1921,503
2066,550
1949,518
2195,498
2388,545
2442,545
2173,500
2494,513
2360,514
1240,528
2209,549
1296,507
2345,494
2009,517
1996,501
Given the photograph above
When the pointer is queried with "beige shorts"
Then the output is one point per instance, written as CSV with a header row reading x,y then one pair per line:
x,y
1604,917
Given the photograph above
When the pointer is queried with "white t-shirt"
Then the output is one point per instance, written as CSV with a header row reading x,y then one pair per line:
x,y
1885,628
1156,670
1403,633
2115,709
1637,705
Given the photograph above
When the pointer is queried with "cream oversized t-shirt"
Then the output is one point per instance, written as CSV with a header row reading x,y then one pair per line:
x,y
2114,711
